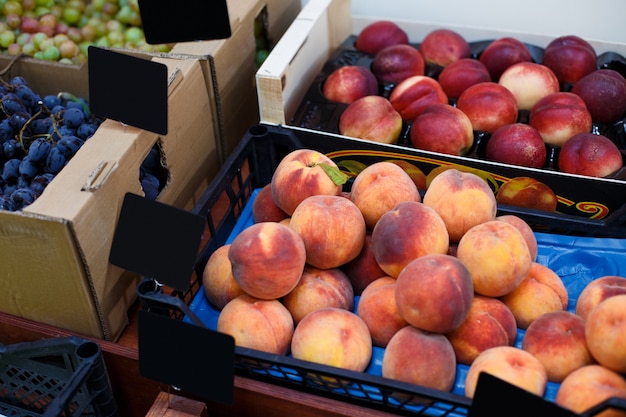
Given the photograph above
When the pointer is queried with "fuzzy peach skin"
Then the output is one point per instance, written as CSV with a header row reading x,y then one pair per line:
x,y
349,83
541,291
406,232
217,279
570,57
597,291
488,105
264,209
378,309
416,174
267,259
589,386
379,187
489,323
363,269
395,63
503,52
335,337
462,199
443,47
459,75
527,192
511,364
442,128
434,293
497,257
319,288
371,118
332,229
300,174
379,34
264,325
605,331
527,231
421,358
559,116
557,339
529,82
415,94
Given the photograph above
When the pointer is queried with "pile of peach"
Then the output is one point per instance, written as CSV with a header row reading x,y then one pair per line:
x,y
560,98
442,280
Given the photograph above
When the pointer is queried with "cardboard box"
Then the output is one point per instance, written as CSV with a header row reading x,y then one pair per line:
x,y
321,39
54,254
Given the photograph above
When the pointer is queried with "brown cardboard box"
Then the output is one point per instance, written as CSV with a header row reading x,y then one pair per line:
x,y
54,254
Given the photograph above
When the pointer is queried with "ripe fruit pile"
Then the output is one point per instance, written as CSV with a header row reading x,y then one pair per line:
x,y
499,103
442,282
63,30
39,135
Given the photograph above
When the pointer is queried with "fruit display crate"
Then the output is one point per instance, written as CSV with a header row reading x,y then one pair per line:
x,y
53,378
322,38
578,260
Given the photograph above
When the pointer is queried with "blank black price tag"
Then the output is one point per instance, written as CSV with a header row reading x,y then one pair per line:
x,y
157,240
197,360
128,89
170,21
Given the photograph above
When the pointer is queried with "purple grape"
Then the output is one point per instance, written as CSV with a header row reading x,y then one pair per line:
x,y
39,149
51,101
10,170
55,161
6,203
73,117
28,168
69,145
23,197
86,130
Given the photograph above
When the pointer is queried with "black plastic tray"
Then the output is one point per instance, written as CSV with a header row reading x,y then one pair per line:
x,y
55,377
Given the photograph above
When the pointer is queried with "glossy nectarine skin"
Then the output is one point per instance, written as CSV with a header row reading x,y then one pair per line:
x,y
349,83
395,63
371,118
503,52
444,46
517,144
604,93
527,192
414,95
591,155
529,82
570,57
442,128
489,106
378,35
457,76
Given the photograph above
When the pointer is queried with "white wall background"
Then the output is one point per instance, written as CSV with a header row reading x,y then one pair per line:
x,y
594,20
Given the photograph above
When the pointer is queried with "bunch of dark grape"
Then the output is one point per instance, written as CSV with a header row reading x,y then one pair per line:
x,y
38,136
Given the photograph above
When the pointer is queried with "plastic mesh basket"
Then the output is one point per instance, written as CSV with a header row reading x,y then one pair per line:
x,y
55,377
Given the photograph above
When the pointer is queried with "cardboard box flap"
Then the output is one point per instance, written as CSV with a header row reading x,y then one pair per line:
x,y
37,241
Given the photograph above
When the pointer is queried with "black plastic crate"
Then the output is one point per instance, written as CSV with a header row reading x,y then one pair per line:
x,y
53,378
249,168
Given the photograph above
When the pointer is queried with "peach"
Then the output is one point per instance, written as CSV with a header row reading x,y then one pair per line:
x,y
527,192
300,174
489,106
517,144
408,231
371,118
557,339
459,75
416,174
528,233
434,293
503,52
489,323
319,288
264,208
421,358
570,57
395,63
378,309
379,34
462,199
442,128
267,259
217,279
511,364
497,257
335,337
605,331
415,94
541,291
559,116
604,93
529,82
348,83
597,291
590,155
589,386
443,47
363,269
264,325
379,187
332,229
